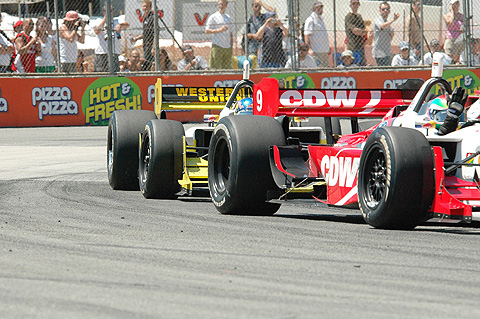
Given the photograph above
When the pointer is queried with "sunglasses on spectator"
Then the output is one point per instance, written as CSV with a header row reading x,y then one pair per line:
x,y
385,9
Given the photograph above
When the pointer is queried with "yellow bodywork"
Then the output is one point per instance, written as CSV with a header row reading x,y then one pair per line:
x,y
195,171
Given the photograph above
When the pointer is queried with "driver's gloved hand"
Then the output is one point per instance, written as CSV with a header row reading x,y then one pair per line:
x,y
456,105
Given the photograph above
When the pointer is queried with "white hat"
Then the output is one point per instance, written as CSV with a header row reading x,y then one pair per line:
x,y
453,1
121,58
346,53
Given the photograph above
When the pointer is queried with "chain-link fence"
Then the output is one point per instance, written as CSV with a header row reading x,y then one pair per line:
x,y
69,36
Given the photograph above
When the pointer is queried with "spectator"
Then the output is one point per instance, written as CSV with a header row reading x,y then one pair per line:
x,y
474,53
454,43
69,35
305,59
165,64
148,34
134,63
45,60
254,23
356,31
404,58
26,49
271,33
122,63
316,36
347,60
414,31
382,35
435,46
221,26
192,62
101,50
6,50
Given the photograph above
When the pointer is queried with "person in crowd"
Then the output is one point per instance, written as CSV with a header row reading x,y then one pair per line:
x,y
271,33
71,31
6,50
26,49
122,63
254,23
134,62
404,58
45,60
347,60
191,61
356,32
101,49
454,43
305,60
316,36
474,53
414,30
221,26
148,35
164,62
435,46
383,34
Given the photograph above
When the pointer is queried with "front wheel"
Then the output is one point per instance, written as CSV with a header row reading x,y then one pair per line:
x,y
239,175
395,178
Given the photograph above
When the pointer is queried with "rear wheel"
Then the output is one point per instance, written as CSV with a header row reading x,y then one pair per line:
x,y
395,178
160,159
239,175
122,147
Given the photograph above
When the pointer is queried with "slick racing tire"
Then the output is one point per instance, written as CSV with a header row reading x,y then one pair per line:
x,y
122,147
161,159
239,174
396,178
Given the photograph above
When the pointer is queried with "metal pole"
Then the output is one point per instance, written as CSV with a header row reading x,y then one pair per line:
x,y
155,33
291,31
422,33
246,30
110,35
335,58
55,8
467,32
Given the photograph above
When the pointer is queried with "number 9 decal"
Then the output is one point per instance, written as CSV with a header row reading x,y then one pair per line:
x,y
259,101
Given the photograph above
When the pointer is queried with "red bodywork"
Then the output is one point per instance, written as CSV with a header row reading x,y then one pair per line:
x,y
338,164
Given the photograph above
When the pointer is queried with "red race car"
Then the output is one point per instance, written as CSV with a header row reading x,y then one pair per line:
x,y
421,162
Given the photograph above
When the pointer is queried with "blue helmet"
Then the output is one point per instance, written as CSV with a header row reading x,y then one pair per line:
x,y
245,106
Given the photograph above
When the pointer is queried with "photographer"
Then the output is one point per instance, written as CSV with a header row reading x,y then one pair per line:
x,y
69,35
192,62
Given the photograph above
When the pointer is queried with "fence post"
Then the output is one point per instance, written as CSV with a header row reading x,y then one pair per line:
x,y
292,31
110,35
57,42
155,34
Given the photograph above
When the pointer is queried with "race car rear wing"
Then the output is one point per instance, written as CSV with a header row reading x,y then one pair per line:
x,y
193,98
272,101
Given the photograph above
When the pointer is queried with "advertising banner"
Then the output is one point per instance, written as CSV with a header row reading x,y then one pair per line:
x,y
91,100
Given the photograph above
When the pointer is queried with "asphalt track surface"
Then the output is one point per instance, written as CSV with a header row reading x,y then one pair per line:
x,y
71,247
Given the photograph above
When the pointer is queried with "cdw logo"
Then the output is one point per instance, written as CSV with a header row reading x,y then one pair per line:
x,y
339,170
200,20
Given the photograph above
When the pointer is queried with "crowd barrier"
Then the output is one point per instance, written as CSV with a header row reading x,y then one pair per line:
x,y
80,101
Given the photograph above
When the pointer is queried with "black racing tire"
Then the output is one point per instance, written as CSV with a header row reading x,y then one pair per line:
x,y
396,178
161,159
124,128
239,175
